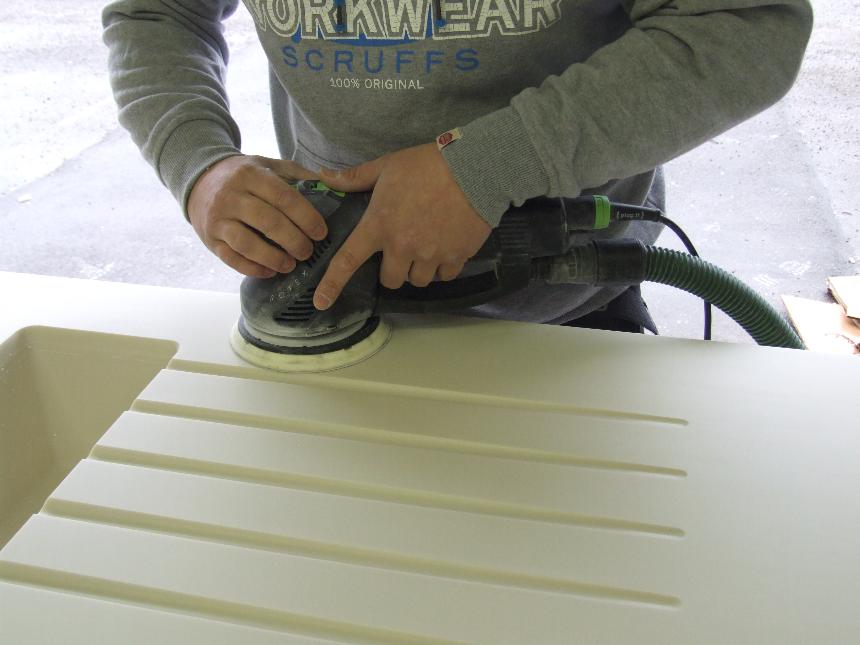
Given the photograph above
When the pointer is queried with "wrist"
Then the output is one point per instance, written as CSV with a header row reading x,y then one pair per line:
x,y
191,149
207,183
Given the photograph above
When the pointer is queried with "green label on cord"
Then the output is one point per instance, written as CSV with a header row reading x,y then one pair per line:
x,y
320,187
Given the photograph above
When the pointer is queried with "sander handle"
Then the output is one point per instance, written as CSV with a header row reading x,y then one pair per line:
x,y
537,229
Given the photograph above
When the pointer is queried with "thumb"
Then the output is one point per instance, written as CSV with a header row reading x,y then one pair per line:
x,y
354,178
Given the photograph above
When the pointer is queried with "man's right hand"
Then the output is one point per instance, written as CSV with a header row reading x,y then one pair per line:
x,y
242,195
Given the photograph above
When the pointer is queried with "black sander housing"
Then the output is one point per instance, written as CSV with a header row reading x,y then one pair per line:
x,y
541,240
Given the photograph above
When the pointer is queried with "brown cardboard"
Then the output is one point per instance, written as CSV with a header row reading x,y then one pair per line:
x,y
823,326
846,291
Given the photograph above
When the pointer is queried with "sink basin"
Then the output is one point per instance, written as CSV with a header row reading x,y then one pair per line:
x,y
60,390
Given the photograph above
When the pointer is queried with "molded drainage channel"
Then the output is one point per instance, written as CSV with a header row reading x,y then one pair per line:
x,y
60,391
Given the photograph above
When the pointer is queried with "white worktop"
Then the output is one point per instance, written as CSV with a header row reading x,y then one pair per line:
x,y
475,481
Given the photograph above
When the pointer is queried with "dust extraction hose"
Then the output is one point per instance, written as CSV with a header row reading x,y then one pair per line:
x,y
724,291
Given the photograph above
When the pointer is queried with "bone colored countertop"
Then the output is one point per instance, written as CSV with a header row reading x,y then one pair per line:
x,y
476,481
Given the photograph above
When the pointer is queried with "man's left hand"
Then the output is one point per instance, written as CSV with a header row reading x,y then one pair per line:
x,y
418,217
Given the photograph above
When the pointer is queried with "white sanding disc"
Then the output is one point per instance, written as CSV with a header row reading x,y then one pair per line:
x,y
311,362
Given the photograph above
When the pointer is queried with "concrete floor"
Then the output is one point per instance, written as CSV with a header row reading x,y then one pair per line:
x,y
773,200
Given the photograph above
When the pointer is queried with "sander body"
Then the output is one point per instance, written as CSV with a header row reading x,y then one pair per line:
x,y
280,328
541,240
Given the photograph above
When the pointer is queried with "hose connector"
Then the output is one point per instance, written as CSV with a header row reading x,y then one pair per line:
x,y
603,263
627,262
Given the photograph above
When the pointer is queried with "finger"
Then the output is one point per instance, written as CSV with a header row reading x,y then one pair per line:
x,y
272,223
250,245
288,170
354,178
266,185
359,246
394,270
243,265
447,272
422,273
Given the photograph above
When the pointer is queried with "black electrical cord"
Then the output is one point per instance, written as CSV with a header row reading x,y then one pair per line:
x,y
677,230
595,212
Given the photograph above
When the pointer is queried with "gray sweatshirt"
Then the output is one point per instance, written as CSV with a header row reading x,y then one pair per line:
x,y
552,97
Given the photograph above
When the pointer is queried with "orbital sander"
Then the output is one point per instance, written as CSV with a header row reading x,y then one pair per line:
x,y
280,329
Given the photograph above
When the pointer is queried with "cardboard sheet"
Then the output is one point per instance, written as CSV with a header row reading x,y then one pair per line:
x,y
846,291
823,326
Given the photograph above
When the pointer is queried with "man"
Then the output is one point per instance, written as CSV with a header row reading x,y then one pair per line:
x,y
449,111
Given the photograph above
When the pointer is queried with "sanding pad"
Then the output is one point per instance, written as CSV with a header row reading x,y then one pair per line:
x,y
281,360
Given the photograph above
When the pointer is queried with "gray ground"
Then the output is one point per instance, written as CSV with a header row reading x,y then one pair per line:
x,y
773,200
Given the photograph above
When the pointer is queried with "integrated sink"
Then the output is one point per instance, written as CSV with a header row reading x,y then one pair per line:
x,y
60,390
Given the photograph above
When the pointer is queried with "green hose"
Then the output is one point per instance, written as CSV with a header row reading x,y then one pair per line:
x,y
724,291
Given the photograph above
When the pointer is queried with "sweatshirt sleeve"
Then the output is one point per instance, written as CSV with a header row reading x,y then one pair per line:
x,y
167,62
684,72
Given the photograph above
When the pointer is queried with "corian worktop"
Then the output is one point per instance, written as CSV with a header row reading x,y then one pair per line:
x,y
476,481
